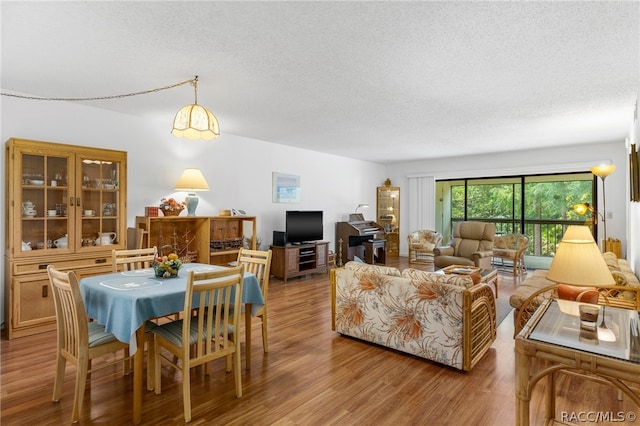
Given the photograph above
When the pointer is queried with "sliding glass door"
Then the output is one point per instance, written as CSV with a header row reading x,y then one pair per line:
x,y
546,200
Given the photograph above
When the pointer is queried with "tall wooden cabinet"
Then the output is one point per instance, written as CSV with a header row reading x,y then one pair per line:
x,y
66,206
204,239
388,216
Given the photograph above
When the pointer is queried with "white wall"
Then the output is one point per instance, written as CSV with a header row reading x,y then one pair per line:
x,y
554,160
237,169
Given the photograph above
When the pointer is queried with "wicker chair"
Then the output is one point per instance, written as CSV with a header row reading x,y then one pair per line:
x,y
512,248
421,245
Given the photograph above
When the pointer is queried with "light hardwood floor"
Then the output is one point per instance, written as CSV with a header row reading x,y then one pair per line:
x,y
311,376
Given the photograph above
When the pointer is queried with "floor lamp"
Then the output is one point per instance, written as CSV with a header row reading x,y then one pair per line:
x,y
602,171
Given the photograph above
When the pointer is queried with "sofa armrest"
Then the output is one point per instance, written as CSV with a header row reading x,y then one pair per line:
x,y
479,319
443,251
332,278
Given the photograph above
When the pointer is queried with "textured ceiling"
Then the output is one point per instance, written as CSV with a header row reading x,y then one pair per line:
x,y
380,81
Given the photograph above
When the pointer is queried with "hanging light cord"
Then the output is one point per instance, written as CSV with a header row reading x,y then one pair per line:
x,y
100,98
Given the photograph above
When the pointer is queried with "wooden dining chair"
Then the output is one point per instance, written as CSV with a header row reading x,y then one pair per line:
x,y
259,263
79,341
136,259
129,260
197,340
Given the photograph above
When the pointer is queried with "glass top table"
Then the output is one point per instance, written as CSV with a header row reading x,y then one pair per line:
x,y
559,326
555,335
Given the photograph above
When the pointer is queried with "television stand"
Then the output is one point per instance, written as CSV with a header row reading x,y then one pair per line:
x,y
294,260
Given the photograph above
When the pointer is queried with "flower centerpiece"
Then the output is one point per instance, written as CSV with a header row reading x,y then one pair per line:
x,y
170,207
167,266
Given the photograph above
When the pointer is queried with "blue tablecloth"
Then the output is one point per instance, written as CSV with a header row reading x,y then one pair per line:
x,y
124,301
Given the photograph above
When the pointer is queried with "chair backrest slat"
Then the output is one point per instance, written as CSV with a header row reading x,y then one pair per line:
x,y
129,260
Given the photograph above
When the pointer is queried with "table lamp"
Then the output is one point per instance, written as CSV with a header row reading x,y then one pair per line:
x,y
191,181
579,262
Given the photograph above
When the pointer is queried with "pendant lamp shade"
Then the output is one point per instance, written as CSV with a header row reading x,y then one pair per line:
x,y
195,121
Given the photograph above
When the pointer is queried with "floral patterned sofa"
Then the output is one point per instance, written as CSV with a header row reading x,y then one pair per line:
x,y
443,318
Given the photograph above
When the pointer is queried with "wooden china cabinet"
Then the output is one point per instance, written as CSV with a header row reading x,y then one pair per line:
x,y
388,216
66,206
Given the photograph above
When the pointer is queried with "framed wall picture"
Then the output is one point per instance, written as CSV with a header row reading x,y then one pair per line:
x,y
286,188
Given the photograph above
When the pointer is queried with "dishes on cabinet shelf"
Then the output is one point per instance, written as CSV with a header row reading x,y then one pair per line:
x,y
36,182
61,242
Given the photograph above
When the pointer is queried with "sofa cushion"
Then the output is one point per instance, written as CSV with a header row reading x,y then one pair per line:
x,y
537,281
611,260
423,246
500,252
374,269
464,281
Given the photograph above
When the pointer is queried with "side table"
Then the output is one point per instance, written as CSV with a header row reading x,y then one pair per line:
x,y
557,338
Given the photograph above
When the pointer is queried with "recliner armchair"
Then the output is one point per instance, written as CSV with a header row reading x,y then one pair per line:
x,y
472,245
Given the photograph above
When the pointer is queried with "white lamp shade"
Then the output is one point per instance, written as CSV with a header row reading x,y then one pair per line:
x,y
578,261
195,122
192,180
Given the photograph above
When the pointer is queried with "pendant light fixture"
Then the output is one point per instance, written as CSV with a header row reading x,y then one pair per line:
x,y
195,121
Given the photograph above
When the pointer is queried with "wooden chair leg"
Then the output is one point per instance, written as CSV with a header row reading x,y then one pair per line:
x,y
265,345
157,388
186,392
151,362
238,372
57,384
81,382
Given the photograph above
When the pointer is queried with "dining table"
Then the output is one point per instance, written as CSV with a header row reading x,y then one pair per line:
x,y
124,301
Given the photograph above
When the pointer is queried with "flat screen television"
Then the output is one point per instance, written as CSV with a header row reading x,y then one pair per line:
x,y
303,226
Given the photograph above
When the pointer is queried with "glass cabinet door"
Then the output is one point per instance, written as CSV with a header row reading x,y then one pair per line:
x,y
388,208
388,216
99,201
45,218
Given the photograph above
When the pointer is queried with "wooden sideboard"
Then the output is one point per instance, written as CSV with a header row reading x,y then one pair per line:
x,y
204,239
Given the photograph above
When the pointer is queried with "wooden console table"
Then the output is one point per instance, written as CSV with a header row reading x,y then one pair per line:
x,y
557,339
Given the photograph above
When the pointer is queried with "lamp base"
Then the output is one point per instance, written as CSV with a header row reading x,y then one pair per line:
x,y
192,202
